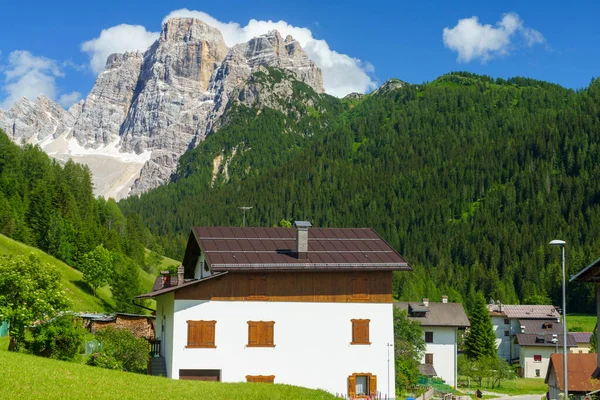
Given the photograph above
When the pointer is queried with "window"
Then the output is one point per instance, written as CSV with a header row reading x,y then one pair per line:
x,y
360,331
260,334
506,333
429,358
547,325
359,289
537,358
362,385
260,378
537,373
257,288
428,337
506,321
201,334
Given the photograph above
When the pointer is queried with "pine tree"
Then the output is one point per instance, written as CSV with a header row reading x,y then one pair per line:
x,y
480,340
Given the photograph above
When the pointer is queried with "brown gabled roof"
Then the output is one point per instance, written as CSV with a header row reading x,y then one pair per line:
x,y
580,368
174,287
437,314
522,311
273,249
582,337
540,326
532,339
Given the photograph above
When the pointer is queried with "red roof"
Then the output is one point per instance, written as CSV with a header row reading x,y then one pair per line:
x,y
580,368
274,249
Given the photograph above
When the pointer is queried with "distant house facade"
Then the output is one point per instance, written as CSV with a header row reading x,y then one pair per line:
x,y
535,350
583,340
440,323
580,381
305,306
507,322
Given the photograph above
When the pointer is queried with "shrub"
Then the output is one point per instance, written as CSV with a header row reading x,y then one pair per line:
x,y
131,352
59,338
103,360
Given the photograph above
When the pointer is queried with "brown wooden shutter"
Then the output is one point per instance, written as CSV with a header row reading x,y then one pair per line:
x,y
193,334
208,333
360,331
373,385
253,334
261,287
351,386
268,332
429,358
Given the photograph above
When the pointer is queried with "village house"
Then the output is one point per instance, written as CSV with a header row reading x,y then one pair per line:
x,y
583,342
580,380
307,306
507,320
440,323
535,350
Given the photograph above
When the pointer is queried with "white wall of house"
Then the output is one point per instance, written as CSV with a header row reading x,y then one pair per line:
x,y
312,342
443,349
530,366
582,348
164,327
502,341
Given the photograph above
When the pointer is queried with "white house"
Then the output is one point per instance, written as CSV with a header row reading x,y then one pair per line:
x,y
307,307
583,340
506,321
535,350
440,323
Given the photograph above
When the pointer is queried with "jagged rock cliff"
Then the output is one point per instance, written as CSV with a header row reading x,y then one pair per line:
x,y
146,110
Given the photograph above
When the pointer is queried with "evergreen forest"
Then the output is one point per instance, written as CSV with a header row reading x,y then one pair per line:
x,y
468,177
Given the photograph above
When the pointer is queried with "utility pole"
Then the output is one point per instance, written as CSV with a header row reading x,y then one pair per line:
x,y
244,209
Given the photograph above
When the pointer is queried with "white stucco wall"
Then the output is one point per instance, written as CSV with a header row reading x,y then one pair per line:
x,y
529,366
443,349
582,348
312,342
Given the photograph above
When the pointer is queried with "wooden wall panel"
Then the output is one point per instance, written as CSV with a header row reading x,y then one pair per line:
x,y
325,287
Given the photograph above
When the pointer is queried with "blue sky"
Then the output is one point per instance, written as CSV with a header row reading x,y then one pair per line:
x,y
41,46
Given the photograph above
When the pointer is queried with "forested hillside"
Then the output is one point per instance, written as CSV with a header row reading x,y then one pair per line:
x,y
467,176
50,206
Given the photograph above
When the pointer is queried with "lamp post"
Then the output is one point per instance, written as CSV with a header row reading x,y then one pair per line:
x,y
562,244
244,209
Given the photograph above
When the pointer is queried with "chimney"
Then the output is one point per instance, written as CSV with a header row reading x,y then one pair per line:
x,y
166,279
302,239
180,271
444,299
426,302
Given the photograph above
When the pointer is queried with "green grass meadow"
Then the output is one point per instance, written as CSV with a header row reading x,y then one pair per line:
x,y
581,322
29,377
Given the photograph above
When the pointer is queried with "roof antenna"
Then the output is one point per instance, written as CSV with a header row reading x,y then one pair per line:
x,y
244,209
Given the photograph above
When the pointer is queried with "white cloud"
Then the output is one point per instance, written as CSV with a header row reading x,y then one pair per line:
x,y
29,76
472,40
117,39
342,74
68,99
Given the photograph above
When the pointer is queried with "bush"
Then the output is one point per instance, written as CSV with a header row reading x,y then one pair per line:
x,y
129,351
103,360
59,338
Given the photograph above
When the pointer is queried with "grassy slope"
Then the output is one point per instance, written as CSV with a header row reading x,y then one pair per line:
x,y
586,322
77,291
30,377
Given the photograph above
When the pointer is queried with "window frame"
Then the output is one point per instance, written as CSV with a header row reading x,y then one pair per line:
x,y
371,385
257,288
506,321
430,339
537,356
359,289
357,337
204,326
264,334
430,357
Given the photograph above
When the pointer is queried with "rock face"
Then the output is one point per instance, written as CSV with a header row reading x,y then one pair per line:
x,y
32,121
146,110
107,104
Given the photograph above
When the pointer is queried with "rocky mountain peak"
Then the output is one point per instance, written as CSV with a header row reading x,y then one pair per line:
x,y
116,60
189,30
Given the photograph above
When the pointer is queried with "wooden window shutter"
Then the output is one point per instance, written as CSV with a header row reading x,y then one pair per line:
x,y
373,385
351,386
268,333
257,288
429,358
208,333
253,334
201,334
359,288
261,286
193,336
360,331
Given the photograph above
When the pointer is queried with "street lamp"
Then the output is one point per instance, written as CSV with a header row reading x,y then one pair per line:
x,y
244,209
562,244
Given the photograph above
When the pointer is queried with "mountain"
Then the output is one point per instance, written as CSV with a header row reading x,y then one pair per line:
x,y
468,177
147,109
